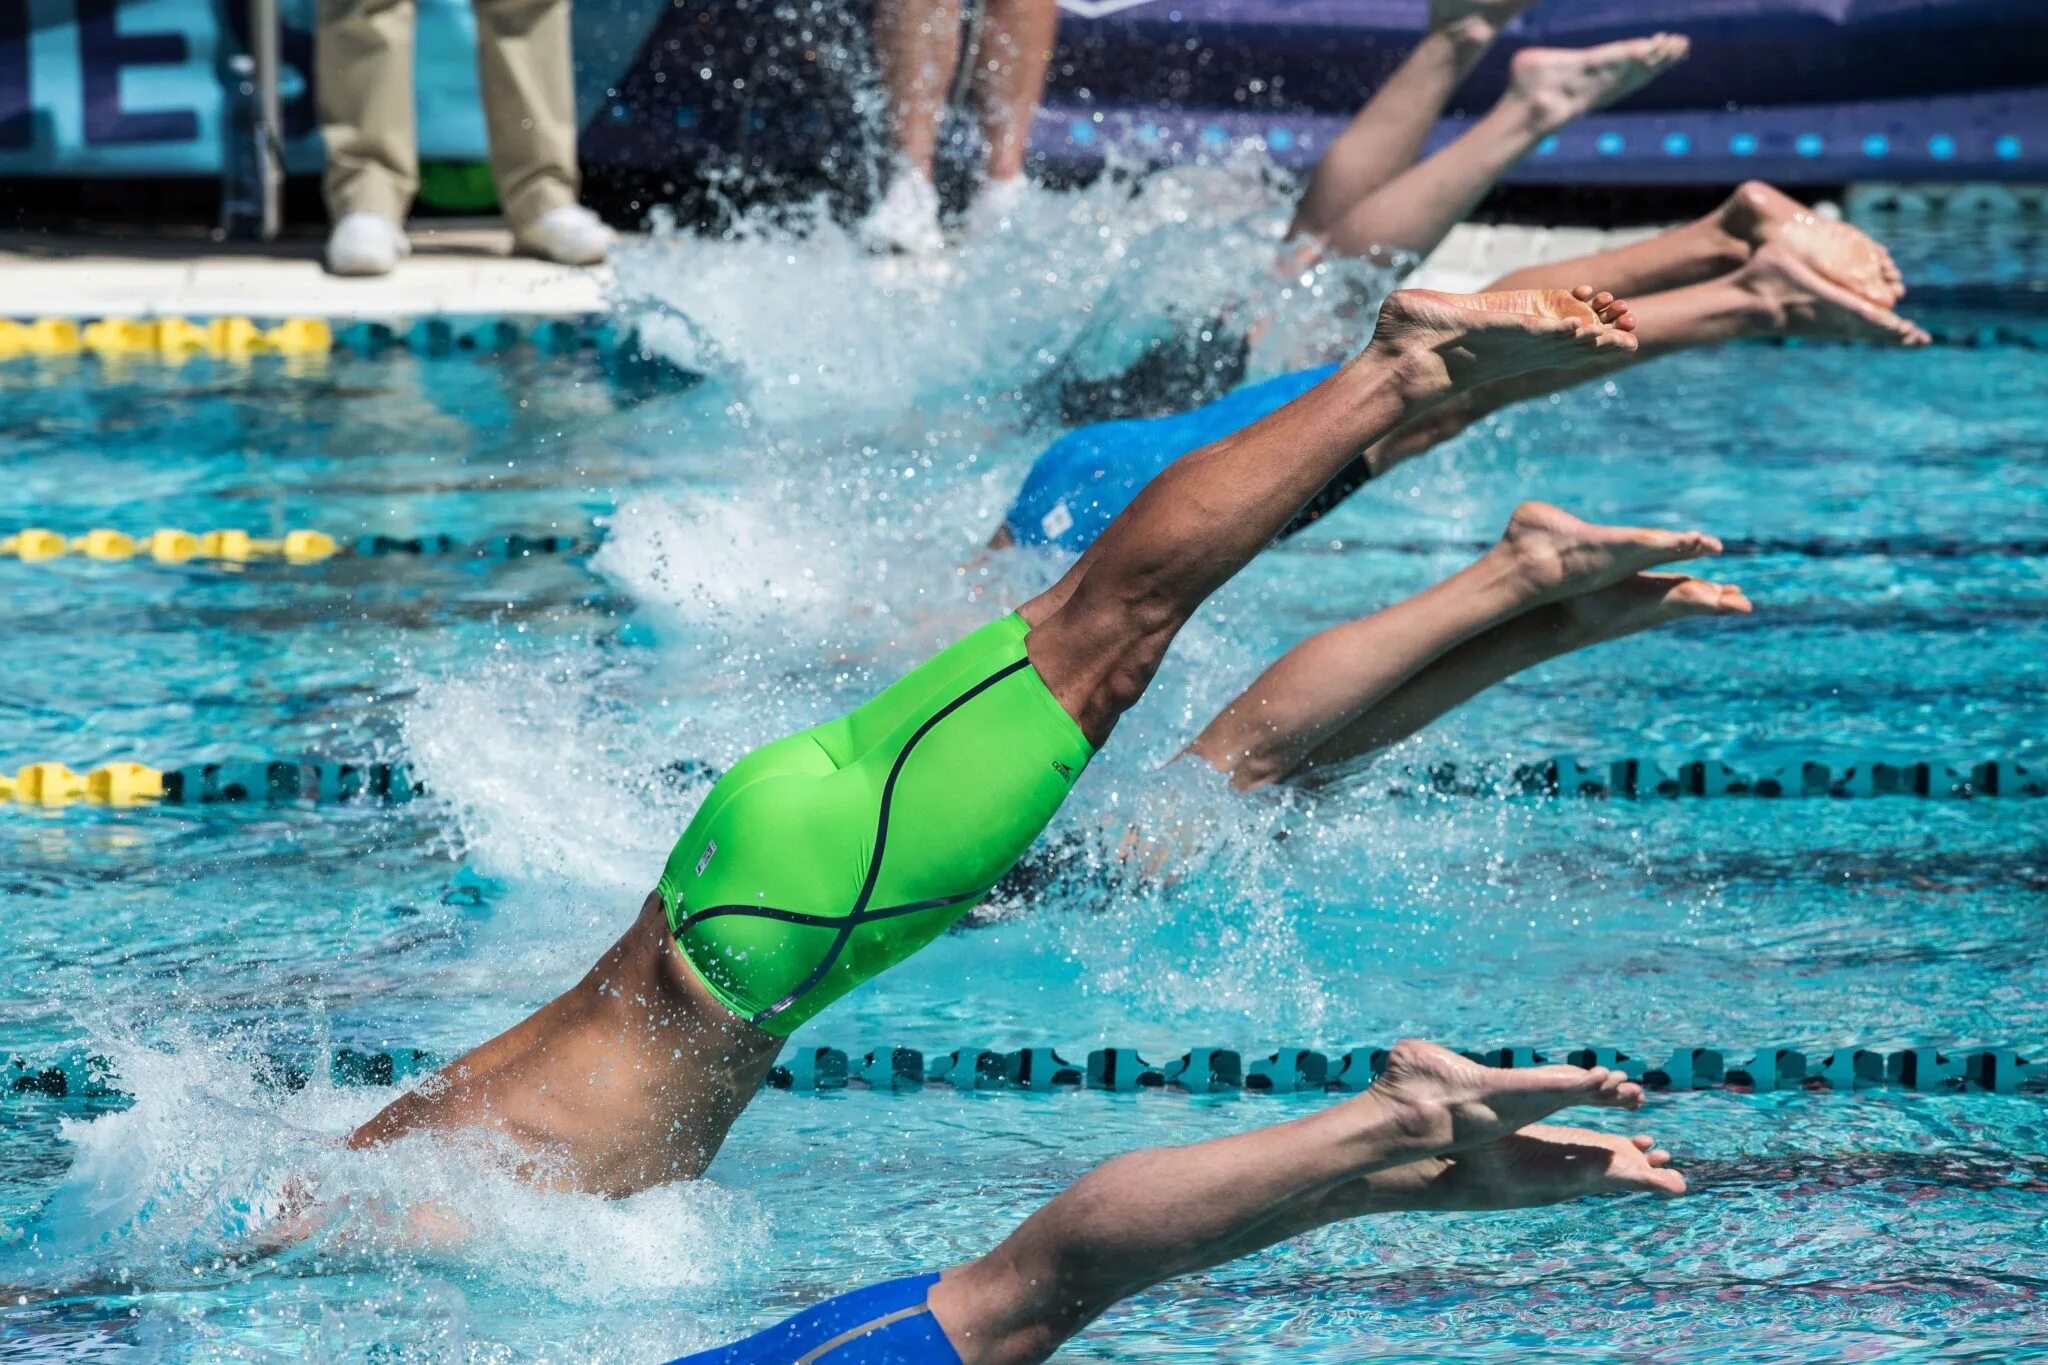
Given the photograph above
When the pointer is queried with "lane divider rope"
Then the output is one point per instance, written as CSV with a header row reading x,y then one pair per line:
x,y
176,339
1643,778
817,1070
258,781
252,781
163,338
170,545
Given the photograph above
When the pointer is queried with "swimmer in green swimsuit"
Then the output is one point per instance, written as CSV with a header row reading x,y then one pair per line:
x,y
829,856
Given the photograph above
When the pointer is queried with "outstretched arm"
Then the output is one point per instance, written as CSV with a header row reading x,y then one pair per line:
x,y
1169,1211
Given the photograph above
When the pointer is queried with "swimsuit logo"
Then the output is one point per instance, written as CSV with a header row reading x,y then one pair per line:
x,y
1058,521
1062,769
704,860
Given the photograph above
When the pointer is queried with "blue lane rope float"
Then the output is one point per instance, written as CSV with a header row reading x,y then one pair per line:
x,y
816,1070
170,545
301,781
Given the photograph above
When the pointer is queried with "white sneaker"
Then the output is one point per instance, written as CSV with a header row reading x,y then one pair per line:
x,y
997,207
906,220
569,235
366,243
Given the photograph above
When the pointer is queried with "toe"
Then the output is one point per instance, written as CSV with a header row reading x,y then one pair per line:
x,y
1667,1181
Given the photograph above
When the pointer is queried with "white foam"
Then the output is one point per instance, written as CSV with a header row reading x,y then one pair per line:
x,y
211,1174
804,323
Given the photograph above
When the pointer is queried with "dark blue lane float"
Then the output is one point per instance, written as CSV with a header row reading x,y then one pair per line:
x,y
1794,91
817,1070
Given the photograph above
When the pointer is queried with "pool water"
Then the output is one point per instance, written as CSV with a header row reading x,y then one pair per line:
x,y
780,539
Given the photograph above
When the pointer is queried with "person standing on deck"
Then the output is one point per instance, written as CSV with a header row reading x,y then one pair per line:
x,y
918,44
363,69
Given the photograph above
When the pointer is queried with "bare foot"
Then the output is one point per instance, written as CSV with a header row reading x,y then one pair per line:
x,y
1557,555
1542,1164
1447,1103
1758,213
1802,301
1442,342
1644,601
1558,84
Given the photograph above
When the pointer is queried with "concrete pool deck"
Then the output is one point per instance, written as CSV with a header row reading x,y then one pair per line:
x,y
468,268
455,268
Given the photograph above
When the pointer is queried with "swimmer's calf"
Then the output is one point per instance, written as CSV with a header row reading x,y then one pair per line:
x,y
1434,1133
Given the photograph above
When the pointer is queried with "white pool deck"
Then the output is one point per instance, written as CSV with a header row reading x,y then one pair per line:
x,y
468,268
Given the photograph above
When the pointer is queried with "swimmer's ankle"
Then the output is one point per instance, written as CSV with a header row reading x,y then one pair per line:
x,y
1414,378
1469,35
1401,1126
1762,298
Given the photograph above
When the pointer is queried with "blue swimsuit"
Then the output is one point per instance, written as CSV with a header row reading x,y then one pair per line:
x,y
883,1324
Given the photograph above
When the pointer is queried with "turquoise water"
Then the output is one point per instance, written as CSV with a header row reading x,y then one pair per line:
x,y
781,538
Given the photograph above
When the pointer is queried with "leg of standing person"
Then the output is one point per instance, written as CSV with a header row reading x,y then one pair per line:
x,y
917,44
529,93
1009,82
363,60
1551,583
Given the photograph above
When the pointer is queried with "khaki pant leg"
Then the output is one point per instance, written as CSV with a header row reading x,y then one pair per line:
x,y
362,68
529,104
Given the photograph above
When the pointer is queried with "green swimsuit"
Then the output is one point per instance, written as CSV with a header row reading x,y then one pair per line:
x,y
829,856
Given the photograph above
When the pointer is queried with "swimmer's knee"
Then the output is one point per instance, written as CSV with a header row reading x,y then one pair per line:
x,y
995,1309
1100,664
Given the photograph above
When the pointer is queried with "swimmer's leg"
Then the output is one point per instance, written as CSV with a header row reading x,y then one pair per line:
x,y
1633,605
1308,707
1783,289
1550,87
917,43
1156,1214
1099,634
1724,240
1387,134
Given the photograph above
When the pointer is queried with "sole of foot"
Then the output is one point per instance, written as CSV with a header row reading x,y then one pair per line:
x,y
1562,556
1547,1164
1759,213
1453,341
1645,601
1451,1103
1559,84
1807,302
